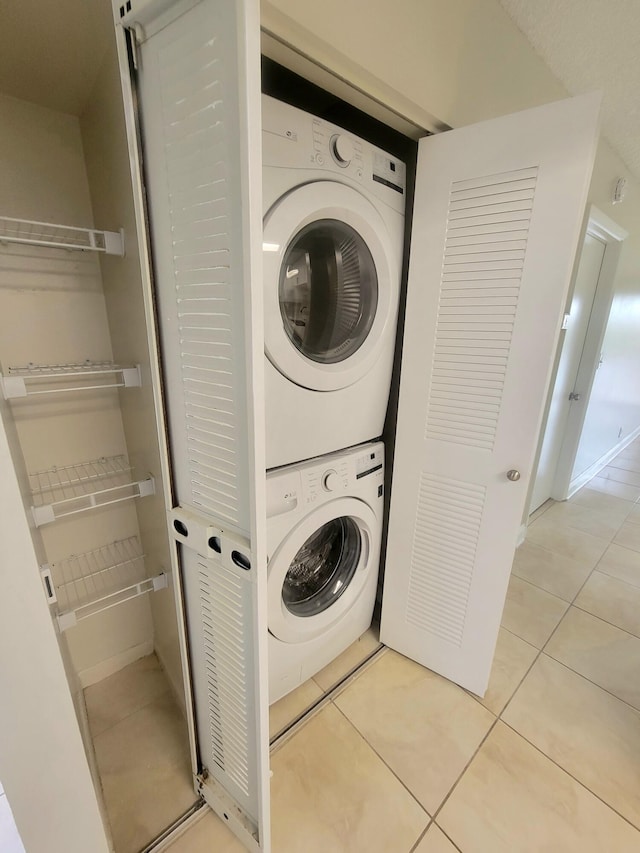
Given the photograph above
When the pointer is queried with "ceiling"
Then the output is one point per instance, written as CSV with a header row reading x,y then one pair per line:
x,y
51,50
588,45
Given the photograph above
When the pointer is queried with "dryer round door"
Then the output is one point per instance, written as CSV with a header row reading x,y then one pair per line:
x,y
318,571
331,290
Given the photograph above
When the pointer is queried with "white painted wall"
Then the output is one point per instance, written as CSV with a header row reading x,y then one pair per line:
x,y
52,310
105,146
462,62
613,411
43,766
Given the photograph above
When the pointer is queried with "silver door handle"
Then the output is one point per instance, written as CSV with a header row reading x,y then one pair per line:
x,y
513,475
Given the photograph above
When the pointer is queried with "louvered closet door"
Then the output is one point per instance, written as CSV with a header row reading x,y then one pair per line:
x,y
497,218
198,88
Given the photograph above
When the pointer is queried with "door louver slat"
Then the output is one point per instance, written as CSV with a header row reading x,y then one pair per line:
x,y
468,333
441,570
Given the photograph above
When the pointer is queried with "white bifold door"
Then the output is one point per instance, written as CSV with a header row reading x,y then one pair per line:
x,y
194,71
497,219
496,224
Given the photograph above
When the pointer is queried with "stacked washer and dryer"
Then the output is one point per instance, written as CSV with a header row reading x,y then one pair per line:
x,y
332,257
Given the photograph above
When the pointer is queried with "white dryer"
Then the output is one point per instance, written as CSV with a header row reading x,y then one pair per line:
x,y
332,252
324,530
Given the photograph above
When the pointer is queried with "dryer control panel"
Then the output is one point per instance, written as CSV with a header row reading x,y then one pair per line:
x,y
294,139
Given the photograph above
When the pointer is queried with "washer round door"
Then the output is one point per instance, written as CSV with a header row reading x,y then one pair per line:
x,y
317,573
330,296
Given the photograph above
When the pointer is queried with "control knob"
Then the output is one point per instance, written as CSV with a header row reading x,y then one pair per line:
x,y
330,481
342,149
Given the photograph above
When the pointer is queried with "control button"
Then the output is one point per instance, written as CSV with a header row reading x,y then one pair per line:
x,y
342,149
331,481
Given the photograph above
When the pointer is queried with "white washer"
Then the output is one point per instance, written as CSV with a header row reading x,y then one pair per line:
x,y
324,530
333,242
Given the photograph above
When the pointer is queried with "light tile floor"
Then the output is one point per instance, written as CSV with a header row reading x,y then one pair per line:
x,y
283,712
142,751
402,760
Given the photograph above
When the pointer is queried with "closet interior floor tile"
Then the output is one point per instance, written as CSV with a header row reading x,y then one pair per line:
x,y
142,756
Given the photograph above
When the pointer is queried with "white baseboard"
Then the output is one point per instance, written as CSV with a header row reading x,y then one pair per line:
x,y
594,469
107,667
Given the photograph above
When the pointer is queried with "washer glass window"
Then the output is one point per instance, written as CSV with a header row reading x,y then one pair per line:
x,y
323,568
328,291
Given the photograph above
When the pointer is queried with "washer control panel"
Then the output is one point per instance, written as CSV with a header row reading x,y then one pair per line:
x,y
301,487
333,478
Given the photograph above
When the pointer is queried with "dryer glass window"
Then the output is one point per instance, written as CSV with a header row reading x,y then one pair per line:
x,y
328,291
323,568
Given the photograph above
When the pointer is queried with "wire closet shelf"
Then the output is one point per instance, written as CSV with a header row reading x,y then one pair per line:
x,y
52,235
33,379
61,491
85,584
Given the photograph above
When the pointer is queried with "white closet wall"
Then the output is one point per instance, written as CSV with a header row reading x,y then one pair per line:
x,y
106,155
52,310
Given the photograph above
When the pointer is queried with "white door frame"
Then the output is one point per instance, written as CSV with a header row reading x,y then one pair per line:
x,y
598,225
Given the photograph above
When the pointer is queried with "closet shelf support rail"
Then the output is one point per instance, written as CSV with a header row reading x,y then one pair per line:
x,y
59,492
35,379
85,584
55,236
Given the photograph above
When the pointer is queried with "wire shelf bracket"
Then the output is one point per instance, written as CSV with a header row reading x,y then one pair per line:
x,y
72,489
55,236
85,584
62,378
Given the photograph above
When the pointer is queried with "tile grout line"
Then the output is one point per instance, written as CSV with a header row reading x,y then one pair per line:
x,y
297,722
421,836
466,767
571,776
595,683
375,751
601,618
437,825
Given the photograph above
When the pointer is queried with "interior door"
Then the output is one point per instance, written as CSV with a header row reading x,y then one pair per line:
x,y
497,219
194,68
589,267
